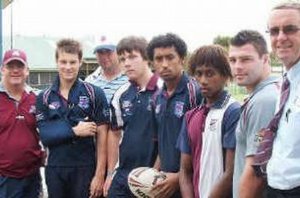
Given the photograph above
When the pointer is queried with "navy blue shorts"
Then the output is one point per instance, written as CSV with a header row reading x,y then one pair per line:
x,y
119,186
29,187
65,182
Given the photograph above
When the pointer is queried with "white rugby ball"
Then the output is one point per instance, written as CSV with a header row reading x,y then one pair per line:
x,y
142,179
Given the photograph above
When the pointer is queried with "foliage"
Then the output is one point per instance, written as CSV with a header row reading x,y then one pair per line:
x,y
223,41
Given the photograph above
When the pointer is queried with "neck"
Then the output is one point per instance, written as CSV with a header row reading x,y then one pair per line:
x,y
266,74
111,72
211,100
65,86
14,91
144,80
172,85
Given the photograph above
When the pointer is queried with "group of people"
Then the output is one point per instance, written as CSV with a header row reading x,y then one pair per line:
x,y
141,109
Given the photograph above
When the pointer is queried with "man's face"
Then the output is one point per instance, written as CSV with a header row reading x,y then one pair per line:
x,y
14,73
167,63
286,43
68,66
106,58
246,65
211,82
134,64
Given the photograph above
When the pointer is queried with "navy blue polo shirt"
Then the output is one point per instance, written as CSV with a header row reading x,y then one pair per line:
x,y
169,113
132,112
56,116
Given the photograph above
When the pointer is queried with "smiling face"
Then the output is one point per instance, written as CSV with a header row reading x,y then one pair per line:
x,y
286,46
247,66
68,66
14,73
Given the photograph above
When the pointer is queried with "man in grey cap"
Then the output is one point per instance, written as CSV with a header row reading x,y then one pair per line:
x,y
108,76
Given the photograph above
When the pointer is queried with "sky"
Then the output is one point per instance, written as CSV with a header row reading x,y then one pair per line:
x,y
198,22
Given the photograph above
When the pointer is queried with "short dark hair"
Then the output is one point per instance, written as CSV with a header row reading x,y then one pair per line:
x,y
287,5
168,40
250,37
131,43
211,56
69,46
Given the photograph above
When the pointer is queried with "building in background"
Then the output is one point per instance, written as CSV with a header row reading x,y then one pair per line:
x,y
41,53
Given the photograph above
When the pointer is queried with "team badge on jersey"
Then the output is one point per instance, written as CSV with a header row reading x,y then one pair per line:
x,y
178,110
83,102
126,106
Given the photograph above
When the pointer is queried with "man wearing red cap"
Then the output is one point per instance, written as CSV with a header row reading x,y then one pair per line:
x,y
20,152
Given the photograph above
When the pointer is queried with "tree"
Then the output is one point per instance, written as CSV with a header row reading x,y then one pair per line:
x,y
223,41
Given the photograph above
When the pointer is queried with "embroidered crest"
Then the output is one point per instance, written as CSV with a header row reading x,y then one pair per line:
x,y
83,102
213,124
54,105
126,106
178,110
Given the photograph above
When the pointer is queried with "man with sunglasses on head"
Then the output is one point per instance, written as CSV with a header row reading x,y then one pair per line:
x,y
283,169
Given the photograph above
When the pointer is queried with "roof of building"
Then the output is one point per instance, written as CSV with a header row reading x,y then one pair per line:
x,y
41,50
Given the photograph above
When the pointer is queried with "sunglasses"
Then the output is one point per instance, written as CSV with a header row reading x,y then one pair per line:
x,y
287,30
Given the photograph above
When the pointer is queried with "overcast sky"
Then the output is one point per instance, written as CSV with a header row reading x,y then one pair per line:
x,y
196,21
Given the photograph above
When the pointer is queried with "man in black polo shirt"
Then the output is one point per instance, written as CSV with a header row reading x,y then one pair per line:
x,y
132,120
178,95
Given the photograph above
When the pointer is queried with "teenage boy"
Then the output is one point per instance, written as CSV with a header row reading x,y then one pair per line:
x,y
71,114
207,137
132,117
179,94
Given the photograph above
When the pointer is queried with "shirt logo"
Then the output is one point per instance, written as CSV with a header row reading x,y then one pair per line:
x,y
54,105
126,106
83,102
178,110
32,109
213,124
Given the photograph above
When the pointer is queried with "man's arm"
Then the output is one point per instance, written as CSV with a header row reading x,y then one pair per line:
x,y
186,176
101,143
114,137
57,131
250,185
224,187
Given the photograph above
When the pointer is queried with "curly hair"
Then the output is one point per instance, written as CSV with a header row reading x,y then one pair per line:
x,y
167,40
211,56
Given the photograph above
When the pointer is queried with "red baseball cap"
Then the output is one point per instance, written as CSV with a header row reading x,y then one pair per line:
x,y
14,54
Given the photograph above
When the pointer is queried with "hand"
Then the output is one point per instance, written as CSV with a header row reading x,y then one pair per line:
x,y
107,185
96,187
84,129
167,187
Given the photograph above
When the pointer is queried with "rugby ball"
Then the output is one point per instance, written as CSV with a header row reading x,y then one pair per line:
x,y
142,179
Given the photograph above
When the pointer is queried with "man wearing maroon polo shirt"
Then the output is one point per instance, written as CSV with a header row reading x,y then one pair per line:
x,y
20,152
